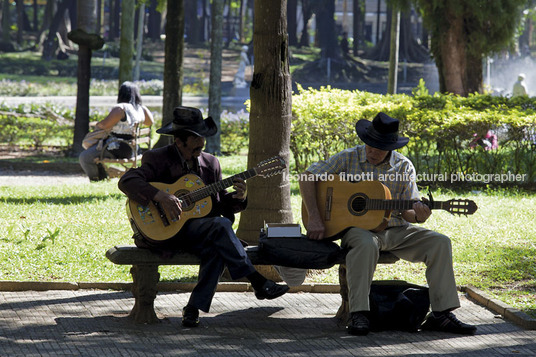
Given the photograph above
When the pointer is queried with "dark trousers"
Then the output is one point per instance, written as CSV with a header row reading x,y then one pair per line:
x,y
214,241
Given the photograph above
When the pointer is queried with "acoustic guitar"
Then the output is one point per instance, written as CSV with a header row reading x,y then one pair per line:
x,y
151,220
367,205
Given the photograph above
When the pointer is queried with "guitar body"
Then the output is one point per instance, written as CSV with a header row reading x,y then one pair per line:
x,y
153,224
368,205
343,204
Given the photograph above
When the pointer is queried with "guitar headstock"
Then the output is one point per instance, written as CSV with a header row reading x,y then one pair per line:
x,y
460,207
269,167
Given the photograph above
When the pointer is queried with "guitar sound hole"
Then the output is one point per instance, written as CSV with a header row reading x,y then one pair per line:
x,y
357,204
186,204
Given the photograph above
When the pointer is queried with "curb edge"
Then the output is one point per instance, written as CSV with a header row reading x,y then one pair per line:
x,y
515,315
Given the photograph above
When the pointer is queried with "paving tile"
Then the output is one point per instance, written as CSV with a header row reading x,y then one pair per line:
x,y
95,323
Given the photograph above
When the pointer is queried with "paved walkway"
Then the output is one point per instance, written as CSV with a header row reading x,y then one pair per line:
x,y
95,323
234,103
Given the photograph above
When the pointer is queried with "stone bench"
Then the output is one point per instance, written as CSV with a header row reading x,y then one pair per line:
x,y
145,274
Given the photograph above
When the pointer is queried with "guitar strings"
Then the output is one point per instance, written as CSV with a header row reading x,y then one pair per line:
x,y
215,187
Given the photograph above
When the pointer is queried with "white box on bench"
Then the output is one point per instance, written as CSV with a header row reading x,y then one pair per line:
x,y
282,230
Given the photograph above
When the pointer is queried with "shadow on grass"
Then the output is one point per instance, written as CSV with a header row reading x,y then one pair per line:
x,y
68,200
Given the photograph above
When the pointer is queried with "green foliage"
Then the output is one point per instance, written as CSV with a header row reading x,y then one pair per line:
x,y
31,64
59,87
421,89
234,132
36,125
441,128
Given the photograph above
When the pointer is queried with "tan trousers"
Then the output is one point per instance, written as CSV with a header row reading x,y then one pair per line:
x,y
412,243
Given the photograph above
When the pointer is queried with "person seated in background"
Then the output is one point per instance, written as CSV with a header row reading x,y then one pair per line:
x,y
121,123
488,140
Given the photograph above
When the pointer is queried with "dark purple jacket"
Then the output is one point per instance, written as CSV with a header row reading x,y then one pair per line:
x,y
167,165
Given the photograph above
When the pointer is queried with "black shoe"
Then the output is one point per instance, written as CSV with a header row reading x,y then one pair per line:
x,y
447,322
358,324
190,316
271,290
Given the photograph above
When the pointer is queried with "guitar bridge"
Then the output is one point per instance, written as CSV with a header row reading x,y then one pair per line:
x,y
329,202
161,214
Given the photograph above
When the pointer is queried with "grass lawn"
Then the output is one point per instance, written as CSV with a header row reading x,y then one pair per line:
x,y
60,233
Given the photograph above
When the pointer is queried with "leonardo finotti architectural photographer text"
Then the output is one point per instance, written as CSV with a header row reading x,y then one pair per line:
x,y
426,177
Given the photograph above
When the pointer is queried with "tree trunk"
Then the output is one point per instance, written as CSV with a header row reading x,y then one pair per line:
x,y
192,23
229,28
173,73
393,57
292,10
6,21
358,25
115,19
35,20
378,17
326,33
451,64
270,119
241,16
72,11
100,17
20,20
473,74
50,44
86,22
47,16
126,43
409,49
205,25
154,22
307,13
214,90
139,41
81,123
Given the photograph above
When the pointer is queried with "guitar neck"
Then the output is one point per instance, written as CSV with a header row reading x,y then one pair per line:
x,y
401,205
216,187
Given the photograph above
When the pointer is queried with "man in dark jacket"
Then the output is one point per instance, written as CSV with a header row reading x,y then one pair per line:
x,y
211,237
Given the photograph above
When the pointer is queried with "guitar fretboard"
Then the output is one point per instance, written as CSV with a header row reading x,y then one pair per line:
x,y
216,187
393,205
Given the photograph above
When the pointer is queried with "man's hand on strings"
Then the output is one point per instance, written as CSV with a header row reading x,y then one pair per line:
x,y
241,188
171,204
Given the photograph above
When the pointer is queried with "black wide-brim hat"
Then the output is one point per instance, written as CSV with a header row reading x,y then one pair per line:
x,y
191,119
381,133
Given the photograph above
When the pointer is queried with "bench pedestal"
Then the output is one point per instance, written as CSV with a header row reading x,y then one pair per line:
x,y
145,278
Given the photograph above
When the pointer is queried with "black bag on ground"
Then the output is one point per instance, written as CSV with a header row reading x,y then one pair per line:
x,y
300,252
397,305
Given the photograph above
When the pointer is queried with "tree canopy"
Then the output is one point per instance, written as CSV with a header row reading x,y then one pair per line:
x,y
463,32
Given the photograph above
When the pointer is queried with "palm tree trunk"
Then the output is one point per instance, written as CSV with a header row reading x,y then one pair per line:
x,y
173,72
270,119
393,55
126,50
214,90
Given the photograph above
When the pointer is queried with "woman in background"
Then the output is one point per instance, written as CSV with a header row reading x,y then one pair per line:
x,y
121,123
